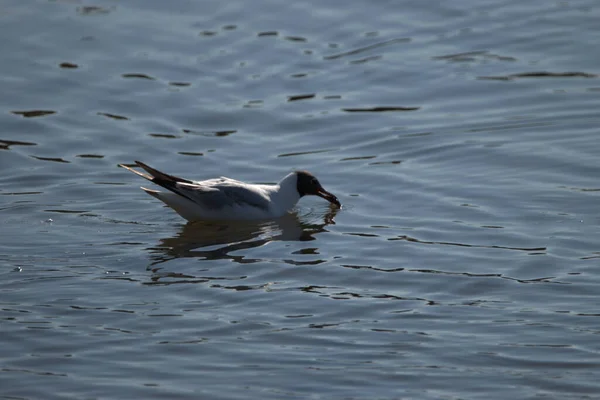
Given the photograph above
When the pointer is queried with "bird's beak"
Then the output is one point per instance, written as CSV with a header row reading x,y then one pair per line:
x,y
329,197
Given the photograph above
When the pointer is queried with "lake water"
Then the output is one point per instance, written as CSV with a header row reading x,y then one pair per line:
x,y
461,137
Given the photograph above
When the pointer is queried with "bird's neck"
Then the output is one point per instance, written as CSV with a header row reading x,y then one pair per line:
x,y
286,194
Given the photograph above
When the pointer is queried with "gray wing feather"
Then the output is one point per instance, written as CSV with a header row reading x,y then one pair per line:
x,y
222,194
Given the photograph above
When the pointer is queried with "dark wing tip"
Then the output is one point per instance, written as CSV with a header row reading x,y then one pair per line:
x,y
128,168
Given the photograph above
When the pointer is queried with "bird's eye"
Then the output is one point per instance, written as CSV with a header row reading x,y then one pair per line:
x,y
314,181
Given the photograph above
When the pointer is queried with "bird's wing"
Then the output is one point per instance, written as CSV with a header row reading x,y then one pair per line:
x,y
218,193
213,193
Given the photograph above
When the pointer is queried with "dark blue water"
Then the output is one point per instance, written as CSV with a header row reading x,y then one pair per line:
x,y
461,139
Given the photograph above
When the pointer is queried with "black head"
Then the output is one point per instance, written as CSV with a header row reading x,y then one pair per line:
x,y
308,184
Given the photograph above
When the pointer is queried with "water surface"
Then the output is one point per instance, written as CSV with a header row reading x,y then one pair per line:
x,y
461,139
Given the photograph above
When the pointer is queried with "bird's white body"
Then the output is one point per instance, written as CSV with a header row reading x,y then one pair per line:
x,y
266,201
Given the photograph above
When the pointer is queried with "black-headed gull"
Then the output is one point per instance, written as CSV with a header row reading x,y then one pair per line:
x,y
229,199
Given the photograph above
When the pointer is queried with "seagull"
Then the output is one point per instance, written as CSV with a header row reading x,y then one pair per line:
x,y
229,199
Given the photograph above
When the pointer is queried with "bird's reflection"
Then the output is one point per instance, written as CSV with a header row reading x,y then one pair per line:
x,y
214,240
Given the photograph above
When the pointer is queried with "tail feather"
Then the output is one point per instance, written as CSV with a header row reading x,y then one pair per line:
x,y
136,172
151,192
156,176
179,203
160,178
